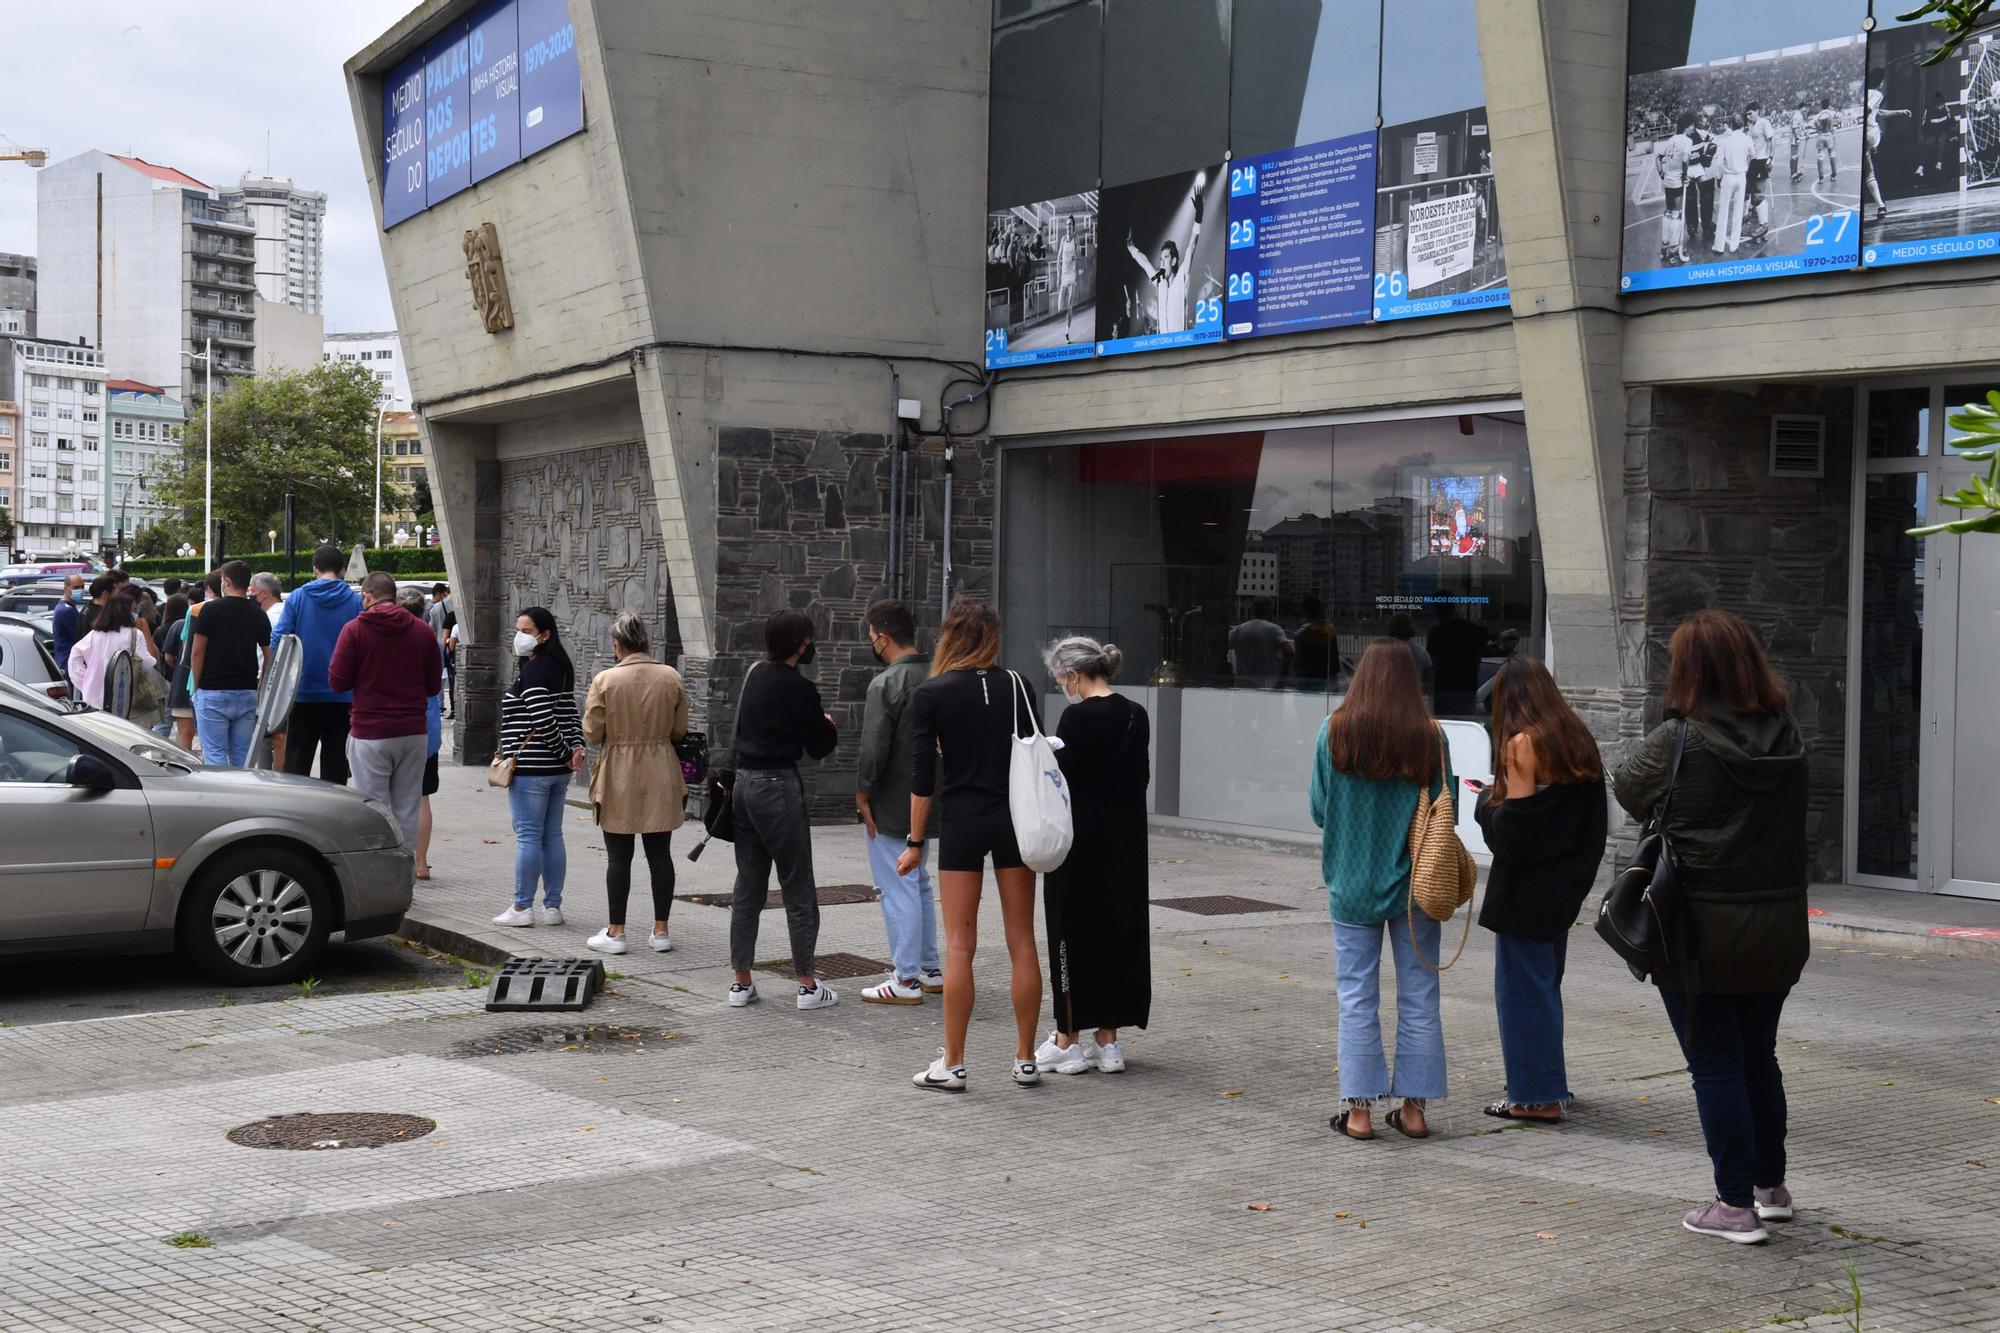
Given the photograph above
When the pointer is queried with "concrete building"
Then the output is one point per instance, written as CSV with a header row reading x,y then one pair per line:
x,y
719,288
60,465
10,440
17,296
287,338
147,424
380,353
404,464
290,240
145,262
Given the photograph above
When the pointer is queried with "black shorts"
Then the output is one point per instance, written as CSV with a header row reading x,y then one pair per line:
x,y
1760,173
1674,193
431,776
966,841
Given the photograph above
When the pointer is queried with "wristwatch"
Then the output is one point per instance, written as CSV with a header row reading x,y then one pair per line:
x,y
912,840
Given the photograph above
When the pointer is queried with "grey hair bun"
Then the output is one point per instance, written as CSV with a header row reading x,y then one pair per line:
x,y
1083,656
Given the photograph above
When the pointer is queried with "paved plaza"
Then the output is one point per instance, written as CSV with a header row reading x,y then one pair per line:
x,y
695,1167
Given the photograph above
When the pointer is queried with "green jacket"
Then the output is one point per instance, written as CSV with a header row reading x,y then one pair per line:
x,y
884,766
1365,847
1738,829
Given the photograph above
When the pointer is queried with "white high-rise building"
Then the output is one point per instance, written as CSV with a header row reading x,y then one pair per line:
x,y
381,354
60,469
290,244
145,262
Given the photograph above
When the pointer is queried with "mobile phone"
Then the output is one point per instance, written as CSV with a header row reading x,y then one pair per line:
x,y
1474,783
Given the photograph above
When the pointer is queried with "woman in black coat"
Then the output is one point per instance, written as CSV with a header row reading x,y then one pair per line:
x,y
1737,824
1100,966
1544,818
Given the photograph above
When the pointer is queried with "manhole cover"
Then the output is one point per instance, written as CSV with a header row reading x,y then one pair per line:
x,y
835,965
318,1130
563,1037
830,895
1220,904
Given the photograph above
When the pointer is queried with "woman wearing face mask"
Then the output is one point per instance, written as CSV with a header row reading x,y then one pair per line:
x,y
1100,971
778,718
540,729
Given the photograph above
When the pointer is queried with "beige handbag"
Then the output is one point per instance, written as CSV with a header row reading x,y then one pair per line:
x,y
500,769
1442,874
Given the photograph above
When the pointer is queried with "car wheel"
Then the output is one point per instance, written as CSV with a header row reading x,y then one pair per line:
x,y
255,917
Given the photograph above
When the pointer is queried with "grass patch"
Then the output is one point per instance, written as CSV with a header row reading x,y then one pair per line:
x,y
190,1240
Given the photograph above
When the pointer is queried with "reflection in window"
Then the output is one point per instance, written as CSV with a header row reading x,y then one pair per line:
x,y
1899,423
1303,71
1166,87
1891,676
1047,101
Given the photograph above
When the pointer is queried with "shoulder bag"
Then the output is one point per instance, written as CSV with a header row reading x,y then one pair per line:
x,y
500,770
1643,904
1037,793
718,787
1442,873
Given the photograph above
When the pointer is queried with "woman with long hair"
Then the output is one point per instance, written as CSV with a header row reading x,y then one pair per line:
x,y
114,631
1544,818
1100,964
961,735
1737,823
1377,753
540,730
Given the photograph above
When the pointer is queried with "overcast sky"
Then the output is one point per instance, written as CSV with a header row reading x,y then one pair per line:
x,y
197,85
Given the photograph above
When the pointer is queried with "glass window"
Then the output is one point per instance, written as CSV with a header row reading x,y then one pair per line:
x,y
1891,677
1047,107
1899,423
32,752
1302,71
1166,87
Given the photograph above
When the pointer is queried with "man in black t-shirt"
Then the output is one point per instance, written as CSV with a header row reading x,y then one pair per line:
x,y
231,637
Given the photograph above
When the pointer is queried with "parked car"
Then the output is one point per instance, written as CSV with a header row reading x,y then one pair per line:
x,y
35,598
25,656
11,575
121,842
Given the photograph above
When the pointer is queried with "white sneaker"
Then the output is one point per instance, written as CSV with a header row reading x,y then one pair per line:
x,y
605,942
741,994
893,991
1026,1074
1080,1058
939,1075
932,980
515,916
1048,1055
661,943
1110,1058
818,996
552,916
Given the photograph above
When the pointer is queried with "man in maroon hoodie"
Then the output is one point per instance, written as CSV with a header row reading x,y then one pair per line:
x,y
390,660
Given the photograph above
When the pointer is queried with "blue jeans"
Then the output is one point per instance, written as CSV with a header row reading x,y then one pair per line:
x,y
909,909
1527,991
1731,1045
537,807
225,720
1357,974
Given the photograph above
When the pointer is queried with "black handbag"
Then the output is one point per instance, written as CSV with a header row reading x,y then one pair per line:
x,y
1642,916
692,751
718,814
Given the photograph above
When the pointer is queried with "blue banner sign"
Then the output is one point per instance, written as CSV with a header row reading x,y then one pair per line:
x,y
1301,238
493,88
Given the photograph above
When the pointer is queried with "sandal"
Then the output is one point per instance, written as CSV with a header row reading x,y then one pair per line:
x,y
1339,1125
1396,1123
1506,1111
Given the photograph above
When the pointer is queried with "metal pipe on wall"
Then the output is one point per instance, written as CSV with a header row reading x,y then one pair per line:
x,y
944,580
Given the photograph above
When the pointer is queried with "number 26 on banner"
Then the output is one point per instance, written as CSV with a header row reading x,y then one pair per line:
x,y
1242,286
1389,285
1242,181
1207,312
1242,234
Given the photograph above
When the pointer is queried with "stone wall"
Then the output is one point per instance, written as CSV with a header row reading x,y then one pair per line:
x,y
1706,525
803,521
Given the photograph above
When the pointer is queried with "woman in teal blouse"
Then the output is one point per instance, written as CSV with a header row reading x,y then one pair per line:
x,y
1376,753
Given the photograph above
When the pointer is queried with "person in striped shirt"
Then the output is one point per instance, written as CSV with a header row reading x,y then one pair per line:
x,y
542,732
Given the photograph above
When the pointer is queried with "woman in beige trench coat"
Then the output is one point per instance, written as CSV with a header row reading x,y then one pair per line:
x,y
635,710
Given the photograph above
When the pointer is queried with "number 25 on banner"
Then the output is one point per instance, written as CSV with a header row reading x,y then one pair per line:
x,y
1242,181
1242,286
1242,234
1207,312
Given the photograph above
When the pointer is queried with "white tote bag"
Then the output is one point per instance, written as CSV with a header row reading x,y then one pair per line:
x,y
1037,795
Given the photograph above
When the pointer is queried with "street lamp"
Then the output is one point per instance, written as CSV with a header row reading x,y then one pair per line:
x,y
207,358
272,533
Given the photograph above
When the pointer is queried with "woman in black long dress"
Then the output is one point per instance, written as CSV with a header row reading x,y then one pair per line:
x,y
1099,968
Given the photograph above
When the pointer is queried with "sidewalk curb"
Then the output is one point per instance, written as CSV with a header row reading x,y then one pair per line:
x,y
446,940
1875,938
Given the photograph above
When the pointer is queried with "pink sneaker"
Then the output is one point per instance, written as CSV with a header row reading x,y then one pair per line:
x,y
1732,1224
1772,1205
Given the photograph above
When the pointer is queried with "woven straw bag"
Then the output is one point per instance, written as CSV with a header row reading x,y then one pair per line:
x,y
1441,870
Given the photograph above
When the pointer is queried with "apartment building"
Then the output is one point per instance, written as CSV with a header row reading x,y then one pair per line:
x,y
290,239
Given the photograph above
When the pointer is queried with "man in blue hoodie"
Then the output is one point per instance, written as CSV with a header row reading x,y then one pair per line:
x,y
317,612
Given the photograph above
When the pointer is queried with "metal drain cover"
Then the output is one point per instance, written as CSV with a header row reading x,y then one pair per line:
x,y
311,1131
1220,904
835,965
830,895
600,1037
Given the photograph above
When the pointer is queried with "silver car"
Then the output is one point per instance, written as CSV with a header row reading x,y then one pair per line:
x,y
114,840
26,656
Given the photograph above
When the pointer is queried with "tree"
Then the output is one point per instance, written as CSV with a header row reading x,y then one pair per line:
x,y
420,500
1980,497
1957,19
311,430
6,530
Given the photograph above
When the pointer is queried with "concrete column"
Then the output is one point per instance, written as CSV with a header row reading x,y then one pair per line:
x,y
465,487
1559,175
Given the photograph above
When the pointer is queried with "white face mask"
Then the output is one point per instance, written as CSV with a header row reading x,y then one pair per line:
x,y
524,643
1070,692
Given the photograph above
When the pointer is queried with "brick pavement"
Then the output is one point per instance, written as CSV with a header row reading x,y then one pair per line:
x,y
770,1169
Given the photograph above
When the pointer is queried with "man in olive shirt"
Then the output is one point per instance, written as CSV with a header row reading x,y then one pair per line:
x,y
231,637
909,909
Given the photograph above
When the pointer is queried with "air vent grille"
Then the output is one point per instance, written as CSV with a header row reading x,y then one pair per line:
x,y
1798,446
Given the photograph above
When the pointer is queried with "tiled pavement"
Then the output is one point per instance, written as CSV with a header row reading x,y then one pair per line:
x,y
766,1169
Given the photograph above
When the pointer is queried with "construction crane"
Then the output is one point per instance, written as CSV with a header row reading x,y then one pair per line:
x,y
34,157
